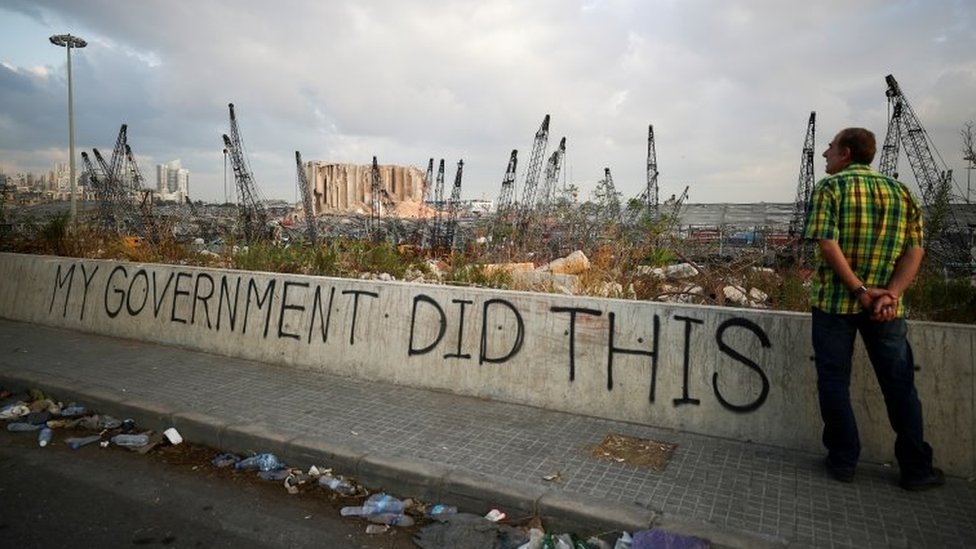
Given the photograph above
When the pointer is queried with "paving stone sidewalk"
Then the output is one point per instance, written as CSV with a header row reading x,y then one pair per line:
x,y
482,454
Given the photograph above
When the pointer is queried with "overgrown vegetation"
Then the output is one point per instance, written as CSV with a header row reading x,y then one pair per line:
x,y
626,260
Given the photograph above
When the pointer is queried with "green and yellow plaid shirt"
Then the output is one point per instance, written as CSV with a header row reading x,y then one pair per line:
x,y
874,218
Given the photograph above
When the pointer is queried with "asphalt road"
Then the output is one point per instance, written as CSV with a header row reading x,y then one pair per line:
x,y
172,497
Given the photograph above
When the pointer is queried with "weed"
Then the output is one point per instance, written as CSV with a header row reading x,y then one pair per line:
x,y
932,297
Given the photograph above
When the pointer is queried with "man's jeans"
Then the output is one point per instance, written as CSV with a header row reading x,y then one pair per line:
x,y
894,366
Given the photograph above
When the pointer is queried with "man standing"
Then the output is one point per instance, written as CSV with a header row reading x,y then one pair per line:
x,y
868,229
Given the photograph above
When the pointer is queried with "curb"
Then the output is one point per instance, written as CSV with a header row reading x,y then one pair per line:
x,y
403,475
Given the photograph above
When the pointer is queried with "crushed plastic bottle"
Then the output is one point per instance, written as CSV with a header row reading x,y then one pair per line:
x,y
44,437
261,462
376,504
393,519
338,485
73,411
21,427
109,422
17,409
224,460
274,474
377,528
440,511
131,441
77,442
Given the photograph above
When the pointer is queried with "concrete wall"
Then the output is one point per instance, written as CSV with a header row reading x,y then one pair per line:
x,y
736,373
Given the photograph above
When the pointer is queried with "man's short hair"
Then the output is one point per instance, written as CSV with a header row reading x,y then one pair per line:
x,y
861,143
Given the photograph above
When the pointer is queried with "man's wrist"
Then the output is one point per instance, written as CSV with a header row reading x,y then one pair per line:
x,y
860,290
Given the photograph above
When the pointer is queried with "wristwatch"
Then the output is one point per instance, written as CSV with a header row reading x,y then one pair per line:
x,y
860,290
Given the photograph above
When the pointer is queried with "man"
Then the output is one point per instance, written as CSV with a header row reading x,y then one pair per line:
x,y
868,229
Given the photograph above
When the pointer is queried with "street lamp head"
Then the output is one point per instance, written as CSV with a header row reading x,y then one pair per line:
x,y
67,40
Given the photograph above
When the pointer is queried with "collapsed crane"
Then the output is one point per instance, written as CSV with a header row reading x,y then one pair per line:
x,y
675,214
151,227
253,217
310,230
117,188
945,239
111,203
94,182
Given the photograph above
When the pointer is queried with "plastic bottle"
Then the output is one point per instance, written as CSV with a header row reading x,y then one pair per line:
x,y
224,460
44,437
17,409
274,474
261,462
72,411
439,510
131,441
109,422
20,427
393,519
338,485
376,504
77,442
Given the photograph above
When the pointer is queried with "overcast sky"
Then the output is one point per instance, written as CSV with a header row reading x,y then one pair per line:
x,y
728,85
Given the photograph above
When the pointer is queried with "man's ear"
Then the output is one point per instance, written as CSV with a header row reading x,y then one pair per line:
x,y
845,154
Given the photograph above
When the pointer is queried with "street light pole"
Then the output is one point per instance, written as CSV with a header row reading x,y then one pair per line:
x,y
969,175
67,41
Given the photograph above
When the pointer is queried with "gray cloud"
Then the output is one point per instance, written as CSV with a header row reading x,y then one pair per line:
x,y
728,86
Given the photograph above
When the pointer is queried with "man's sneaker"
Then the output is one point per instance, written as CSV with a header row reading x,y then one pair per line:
x,y
933,480
840,474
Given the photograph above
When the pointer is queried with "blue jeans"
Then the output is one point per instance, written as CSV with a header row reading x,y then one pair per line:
x,y
894,366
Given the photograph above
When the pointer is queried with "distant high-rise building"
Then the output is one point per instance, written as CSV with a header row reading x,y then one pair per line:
x,y
172,181
61,177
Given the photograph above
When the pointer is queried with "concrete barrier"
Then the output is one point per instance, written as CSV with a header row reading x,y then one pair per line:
x,y
736,373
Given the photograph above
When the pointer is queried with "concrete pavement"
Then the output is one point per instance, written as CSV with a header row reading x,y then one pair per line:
x,y
481,454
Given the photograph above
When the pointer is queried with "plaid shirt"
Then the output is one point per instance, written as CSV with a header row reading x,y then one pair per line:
x,y
874,219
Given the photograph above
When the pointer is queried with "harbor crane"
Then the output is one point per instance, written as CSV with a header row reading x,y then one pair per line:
x,y
804,187
508,184
651,191
532,173
253,217
437,226
945,239
553,166
452,209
